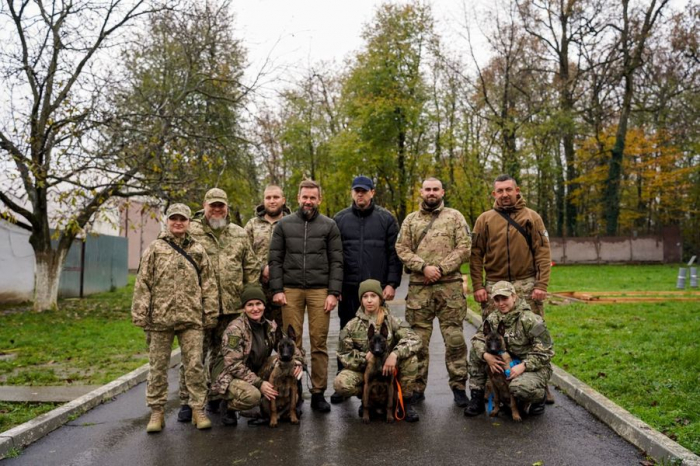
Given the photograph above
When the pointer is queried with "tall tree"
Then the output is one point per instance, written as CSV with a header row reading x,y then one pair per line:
x,y
55,76
636,28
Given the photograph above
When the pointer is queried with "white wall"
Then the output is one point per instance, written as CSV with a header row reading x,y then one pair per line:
x,y
16,264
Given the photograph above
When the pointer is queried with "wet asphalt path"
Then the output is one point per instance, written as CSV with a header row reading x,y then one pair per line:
x,y
115,433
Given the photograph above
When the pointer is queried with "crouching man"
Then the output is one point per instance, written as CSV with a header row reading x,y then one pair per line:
x,y
527,339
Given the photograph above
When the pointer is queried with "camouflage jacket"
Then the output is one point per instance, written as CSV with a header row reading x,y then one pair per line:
x,y
168,294
259,231
445,245
353,344
236,345
526,336
502,251
232,259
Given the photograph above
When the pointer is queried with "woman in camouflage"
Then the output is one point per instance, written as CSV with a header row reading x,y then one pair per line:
x,y
353,348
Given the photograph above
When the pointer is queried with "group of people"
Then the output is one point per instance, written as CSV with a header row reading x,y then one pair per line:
x,y
224,291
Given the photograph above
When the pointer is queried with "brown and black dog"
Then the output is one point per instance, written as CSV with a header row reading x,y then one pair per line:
x,y
282,378
379,390
497,383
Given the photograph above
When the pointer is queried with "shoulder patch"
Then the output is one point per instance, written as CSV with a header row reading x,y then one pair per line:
x,y
233,341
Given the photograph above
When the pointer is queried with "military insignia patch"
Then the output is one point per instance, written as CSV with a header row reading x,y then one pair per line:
x,y
233,341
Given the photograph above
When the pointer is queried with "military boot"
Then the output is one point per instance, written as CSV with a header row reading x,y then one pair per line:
x,y
157,420
200,419
476,404
460,397
230,418
411,414
549,396
319,403
185,414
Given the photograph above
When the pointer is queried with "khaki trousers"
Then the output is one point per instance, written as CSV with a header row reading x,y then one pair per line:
x,y
312,301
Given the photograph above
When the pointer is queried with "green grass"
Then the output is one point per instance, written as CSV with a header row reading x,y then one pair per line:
x,y
14,414
87,341
643,356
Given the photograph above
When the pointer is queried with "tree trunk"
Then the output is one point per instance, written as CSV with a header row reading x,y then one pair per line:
x,y
46,278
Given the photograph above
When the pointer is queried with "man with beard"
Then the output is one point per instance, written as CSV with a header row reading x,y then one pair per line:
x,y
369,236
306,272
433,243
510,243
235,266
259,229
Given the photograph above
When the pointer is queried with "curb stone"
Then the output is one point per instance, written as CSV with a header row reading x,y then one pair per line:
x,y
627,426
31,431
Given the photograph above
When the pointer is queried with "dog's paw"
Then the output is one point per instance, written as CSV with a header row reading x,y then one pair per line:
x,y
390,419
517,418
273,424
494,413
365,419
294,421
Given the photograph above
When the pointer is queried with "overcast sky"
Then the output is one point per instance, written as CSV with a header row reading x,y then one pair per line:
x,y
294,34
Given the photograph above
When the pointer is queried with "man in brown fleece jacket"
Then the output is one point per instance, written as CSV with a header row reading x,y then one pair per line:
x,y
516,252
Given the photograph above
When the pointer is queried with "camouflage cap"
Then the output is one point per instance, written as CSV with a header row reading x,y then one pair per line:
x,y
179,209
216,195
503,288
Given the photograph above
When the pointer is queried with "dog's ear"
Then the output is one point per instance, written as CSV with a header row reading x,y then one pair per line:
x,y
487,327
278,334
384,330
502,328
291,333
370,331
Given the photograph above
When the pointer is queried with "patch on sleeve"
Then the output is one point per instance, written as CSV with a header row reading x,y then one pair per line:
x,y
539,330
545,234
233,341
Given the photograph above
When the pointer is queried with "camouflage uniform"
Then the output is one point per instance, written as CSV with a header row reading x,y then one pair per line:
x,y
353,346
169,301
234,266
446,245
233,377
528,340
259,231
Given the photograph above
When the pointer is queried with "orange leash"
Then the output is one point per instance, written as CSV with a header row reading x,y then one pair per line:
x,y
400,400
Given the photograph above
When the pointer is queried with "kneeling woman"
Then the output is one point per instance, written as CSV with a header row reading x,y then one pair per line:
x,y
353,347
246,349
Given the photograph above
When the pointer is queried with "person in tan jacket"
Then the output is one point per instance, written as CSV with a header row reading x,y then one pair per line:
x,y
516,252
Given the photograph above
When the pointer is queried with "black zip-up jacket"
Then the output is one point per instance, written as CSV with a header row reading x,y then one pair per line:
x,y
369,241
306,254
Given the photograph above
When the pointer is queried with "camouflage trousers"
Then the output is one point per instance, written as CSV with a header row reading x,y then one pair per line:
x,y
159,348
445,301
241,395
211,349
523,289
529,387
349,383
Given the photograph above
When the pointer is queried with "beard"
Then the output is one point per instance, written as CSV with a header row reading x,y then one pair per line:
x,y
217,223
432,202
273,213
308,211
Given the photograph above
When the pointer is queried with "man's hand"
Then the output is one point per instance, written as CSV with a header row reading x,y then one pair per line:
x,y
389,293
496,364
389,364
431,274
268,390
516,370
265,277
331,303
280,299
538,295
481,296
298,370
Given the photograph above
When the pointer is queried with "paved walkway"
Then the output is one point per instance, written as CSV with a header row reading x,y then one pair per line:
x,y
115,434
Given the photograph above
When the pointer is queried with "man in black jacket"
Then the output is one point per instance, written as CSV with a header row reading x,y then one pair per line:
x,y
369,236
306,272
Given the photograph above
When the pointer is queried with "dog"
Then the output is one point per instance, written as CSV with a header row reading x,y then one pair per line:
x,y
379,390
284,381
497,384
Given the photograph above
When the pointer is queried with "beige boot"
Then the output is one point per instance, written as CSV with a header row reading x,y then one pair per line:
x,y
157,421
199,419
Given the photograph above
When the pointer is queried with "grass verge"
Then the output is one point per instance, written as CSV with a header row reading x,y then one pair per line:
x,y
14,414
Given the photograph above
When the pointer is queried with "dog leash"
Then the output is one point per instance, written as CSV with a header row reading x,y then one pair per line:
x,y
399,403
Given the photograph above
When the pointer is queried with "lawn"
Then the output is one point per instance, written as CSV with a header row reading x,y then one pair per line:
x,y
87,341
643,356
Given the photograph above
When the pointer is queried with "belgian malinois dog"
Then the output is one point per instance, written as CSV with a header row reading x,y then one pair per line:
x,y
497,383
282,378
379,390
